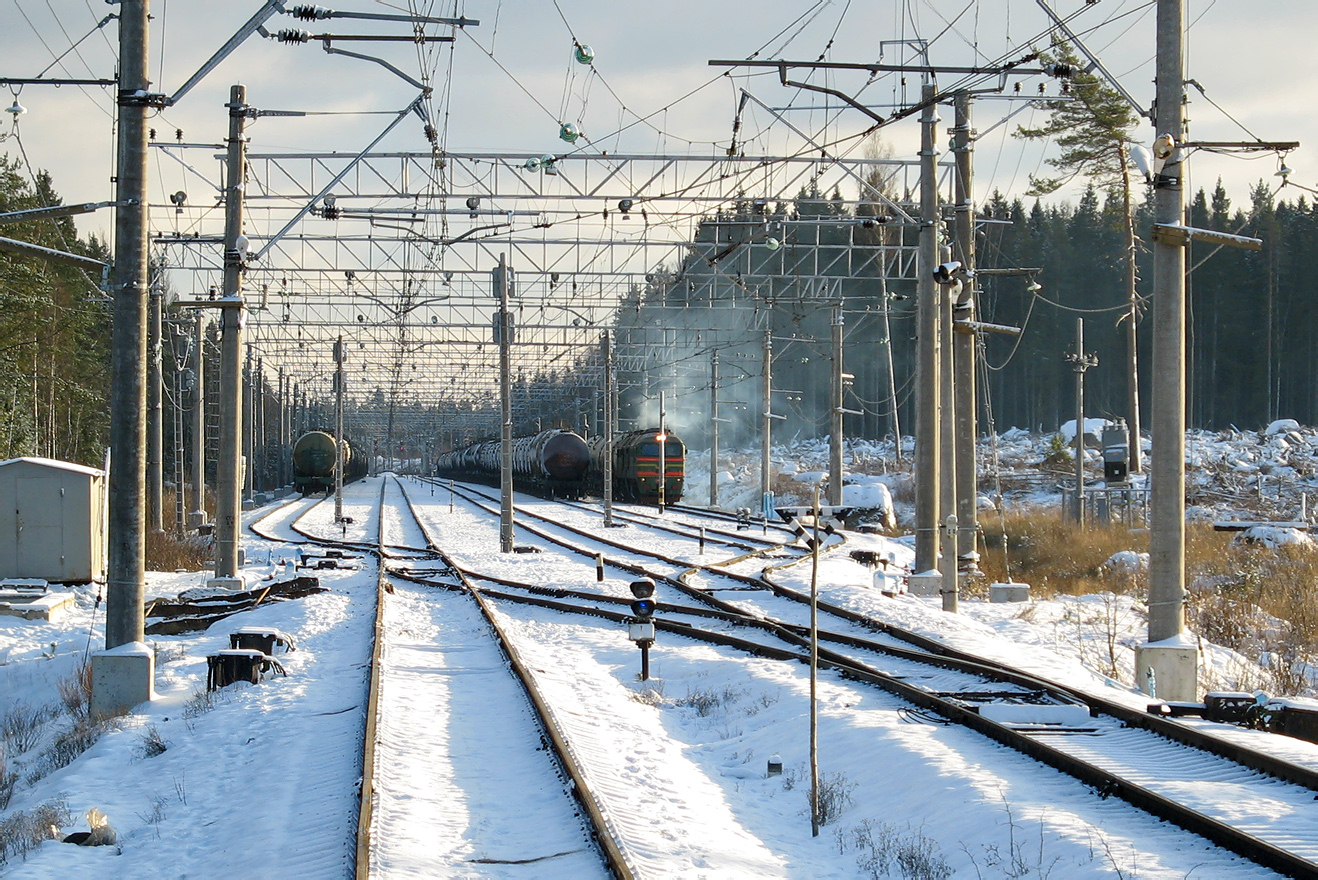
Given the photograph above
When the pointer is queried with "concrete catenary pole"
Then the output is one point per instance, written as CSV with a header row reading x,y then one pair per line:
x,y
1132,321
340,446
1080,365
180,505
766,440
282,466
610,427
835,464
249,426
155,429
947,441
199,424
894,419
663,459
503,282
964,345
927,471
228,478
1170,669
256,463
126,551
713,428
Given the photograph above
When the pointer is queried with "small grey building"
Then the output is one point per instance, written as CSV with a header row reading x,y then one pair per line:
x,y
52,520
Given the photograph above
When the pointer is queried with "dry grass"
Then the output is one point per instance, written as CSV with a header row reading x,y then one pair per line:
x,y
1052,554
165,551
1260,602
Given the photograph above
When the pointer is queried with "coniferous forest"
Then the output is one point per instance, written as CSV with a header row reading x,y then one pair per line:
x,y
54,335
1251,332
1251,323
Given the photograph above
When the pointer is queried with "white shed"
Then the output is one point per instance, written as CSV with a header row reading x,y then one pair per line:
x,y
52,520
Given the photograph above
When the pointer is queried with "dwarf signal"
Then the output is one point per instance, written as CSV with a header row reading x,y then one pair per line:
x,y
641,627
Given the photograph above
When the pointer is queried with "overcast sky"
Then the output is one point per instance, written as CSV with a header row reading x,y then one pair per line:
x,y
1251,59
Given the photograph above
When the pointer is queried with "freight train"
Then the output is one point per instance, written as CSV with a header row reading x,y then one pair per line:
x,y
559,464
313,463
551,463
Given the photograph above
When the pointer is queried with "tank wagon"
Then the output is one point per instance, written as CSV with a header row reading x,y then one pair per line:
x,y
313,463
551,463
636,457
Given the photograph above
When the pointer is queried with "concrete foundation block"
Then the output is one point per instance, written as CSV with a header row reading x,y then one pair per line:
x,y
234,584
925,583
1168,670
122,678
999,593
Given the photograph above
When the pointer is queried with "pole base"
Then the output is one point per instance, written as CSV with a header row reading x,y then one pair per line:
x,y
235,584
1168,670
925,583
122,678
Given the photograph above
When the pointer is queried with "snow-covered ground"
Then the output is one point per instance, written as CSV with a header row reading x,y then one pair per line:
x,y
261,781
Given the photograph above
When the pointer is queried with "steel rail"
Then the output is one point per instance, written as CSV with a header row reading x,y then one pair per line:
x,y
604,836
1260,851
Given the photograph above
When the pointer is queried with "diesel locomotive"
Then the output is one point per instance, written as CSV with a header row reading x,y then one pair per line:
x,y
636,463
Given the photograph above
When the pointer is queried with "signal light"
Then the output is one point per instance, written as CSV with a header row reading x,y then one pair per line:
x,y
645,605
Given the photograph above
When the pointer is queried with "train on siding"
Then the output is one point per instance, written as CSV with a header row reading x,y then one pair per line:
x,y
560,464
551,463
313,463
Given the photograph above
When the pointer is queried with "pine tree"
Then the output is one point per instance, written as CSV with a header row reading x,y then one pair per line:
x,y
1093,131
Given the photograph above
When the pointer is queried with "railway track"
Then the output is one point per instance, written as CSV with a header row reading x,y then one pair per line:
x,y
405,826
1244,800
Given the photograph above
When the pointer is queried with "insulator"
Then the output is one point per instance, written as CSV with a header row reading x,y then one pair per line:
x,y
293,36
431,134
309,13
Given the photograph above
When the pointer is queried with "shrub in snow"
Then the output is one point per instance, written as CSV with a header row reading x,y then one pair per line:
x,y
22,832
21,727
8,779
151,744
706,700
66,748
76,691
881,847
834,796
